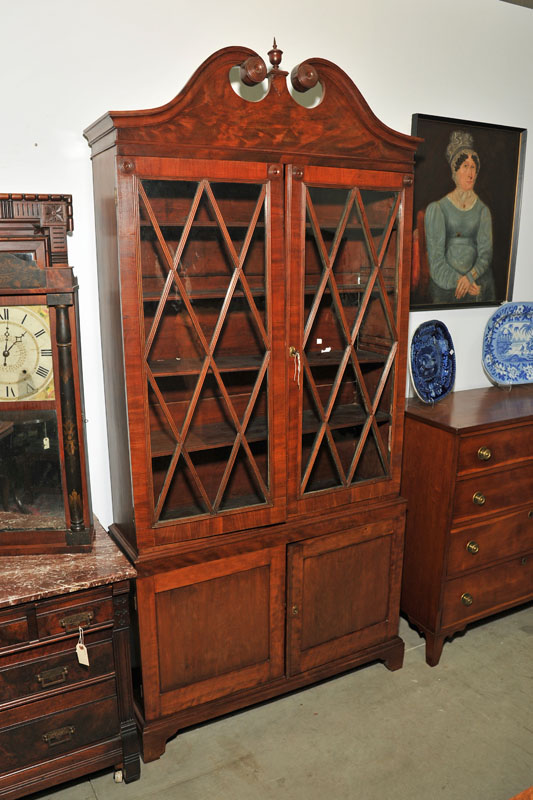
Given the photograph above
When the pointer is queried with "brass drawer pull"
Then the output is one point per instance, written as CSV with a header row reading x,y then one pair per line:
x,y
523,560
472,547
75,621
52,677
479,499
59,736
484,453
467,599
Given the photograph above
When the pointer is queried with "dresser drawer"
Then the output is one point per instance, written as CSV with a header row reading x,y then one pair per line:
x,y
482,544
53,668
14,627
487,591
84,609
493,491
494,448
52,735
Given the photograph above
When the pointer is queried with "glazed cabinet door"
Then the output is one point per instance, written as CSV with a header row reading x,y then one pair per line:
x,y
203,308
344,592
211,629
347,313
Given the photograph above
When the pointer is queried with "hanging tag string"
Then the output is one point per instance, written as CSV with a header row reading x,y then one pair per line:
x,y
81,650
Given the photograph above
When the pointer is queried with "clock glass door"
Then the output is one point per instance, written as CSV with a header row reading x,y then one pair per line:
x,y
344,339
208,354
31,490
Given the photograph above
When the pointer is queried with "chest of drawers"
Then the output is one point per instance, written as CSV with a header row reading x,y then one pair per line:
x,y
468,480
59,718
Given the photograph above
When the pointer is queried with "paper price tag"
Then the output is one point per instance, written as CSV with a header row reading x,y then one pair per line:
x,y
81,650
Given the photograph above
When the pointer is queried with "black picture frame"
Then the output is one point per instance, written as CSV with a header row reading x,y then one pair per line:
x,y
501,150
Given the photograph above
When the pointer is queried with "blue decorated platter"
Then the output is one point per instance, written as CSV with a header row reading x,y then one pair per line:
x,y
432,361
508,344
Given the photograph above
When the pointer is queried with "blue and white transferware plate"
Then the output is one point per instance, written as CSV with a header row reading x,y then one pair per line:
x,y
508,344
432,362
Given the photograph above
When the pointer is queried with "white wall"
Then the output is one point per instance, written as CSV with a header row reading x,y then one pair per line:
x,y
65,63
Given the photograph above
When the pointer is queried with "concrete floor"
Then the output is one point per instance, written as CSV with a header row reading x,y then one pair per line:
x,y
460,731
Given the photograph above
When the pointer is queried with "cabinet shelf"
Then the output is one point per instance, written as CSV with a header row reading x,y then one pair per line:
x,y
356,288
347,416
217,435
375,230
210,437
333,358
231,503
170,367
201,294
199,224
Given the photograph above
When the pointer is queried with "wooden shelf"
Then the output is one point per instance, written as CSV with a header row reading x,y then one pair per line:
x,y
347,416
201,294
209,224
333,358
192,366
230,503
209,438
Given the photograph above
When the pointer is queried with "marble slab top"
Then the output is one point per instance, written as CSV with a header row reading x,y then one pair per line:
x,y
26,578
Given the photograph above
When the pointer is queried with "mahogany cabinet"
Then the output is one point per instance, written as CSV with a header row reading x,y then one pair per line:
x,y
61,718
253,266
468,480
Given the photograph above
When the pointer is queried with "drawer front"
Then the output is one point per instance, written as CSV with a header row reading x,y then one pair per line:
x,y
494,448
54,671
14,628
84,610
53,735
494,491
482,593
482,544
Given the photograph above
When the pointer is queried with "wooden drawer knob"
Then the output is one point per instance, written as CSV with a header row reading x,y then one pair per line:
x,y
467,599
484,453
472,547
479,499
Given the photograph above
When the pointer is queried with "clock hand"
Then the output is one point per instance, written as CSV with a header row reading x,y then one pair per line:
x,y
7,349
17,340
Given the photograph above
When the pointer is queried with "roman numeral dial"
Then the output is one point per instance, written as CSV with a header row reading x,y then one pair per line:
x,y
26,366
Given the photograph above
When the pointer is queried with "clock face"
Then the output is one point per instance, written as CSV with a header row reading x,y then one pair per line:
x,y
25,354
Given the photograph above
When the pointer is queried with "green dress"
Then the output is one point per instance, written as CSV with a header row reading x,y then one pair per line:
x,y
459,242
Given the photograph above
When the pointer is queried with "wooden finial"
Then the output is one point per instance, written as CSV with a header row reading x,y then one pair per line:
x,y
275,55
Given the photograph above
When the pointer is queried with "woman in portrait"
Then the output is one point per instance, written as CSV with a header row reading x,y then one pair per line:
x,y
458,230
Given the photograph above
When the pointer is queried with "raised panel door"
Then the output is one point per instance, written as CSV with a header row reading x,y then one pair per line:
x,y
211,629
343,593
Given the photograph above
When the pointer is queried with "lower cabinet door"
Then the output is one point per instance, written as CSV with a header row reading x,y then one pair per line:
x,y
211,629
343,593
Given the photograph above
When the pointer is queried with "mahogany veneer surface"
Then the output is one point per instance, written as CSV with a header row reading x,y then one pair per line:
x,y
468,480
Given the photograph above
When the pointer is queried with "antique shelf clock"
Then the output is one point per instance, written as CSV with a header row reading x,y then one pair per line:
x,y
44,491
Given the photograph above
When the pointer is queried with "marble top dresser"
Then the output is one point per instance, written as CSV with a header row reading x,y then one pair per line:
x,y
61,718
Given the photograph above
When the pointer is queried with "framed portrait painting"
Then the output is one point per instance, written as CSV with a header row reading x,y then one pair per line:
x,y
468,185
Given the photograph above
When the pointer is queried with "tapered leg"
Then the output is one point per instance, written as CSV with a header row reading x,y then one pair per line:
x,y
434,645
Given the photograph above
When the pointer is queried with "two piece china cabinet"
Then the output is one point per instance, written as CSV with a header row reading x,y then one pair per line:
x,y
253,256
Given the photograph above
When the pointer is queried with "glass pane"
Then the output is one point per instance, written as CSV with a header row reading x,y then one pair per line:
x,y
351,267
30,473
204,266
